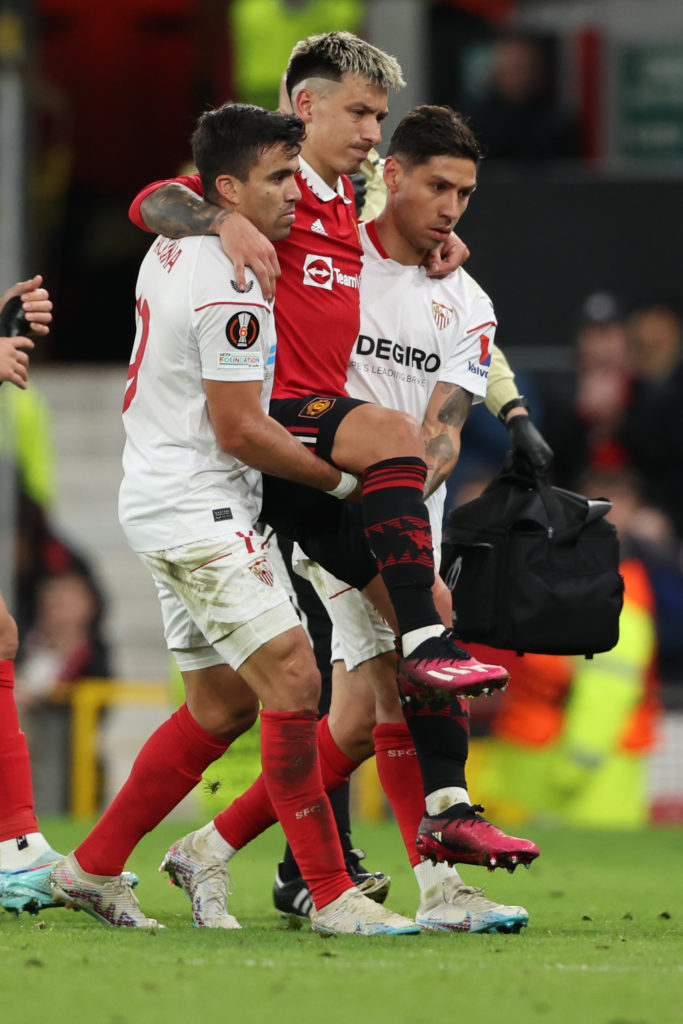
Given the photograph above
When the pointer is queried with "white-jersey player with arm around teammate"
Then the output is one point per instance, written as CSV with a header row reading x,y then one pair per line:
x,y
198,435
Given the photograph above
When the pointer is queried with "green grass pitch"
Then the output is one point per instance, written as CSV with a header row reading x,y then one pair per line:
x,y
604,946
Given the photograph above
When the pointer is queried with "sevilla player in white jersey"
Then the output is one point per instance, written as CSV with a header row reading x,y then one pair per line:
x,y
197,431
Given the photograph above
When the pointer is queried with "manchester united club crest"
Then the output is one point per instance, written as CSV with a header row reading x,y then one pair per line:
x,y
262,570
316,408
242,330
442,315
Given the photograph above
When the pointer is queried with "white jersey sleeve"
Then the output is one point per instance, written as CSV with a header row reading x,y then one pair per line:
x,y
232,329
469,356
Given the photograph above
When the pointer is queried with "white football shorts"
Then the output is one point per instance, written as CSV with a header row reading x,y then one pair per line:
x,y
358,630
220,599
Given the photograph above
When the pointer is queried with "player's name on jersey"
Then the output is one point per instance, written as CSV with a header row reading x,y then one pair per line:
x,y
168,250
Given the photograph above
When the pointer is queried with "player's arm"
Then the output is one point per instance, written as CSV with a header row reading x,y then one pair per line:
x,y
446,414
246,431
176,209
503,400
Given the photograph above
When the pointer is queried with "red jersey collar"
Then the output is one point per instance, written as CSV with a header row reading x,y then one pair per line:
x,y
320,189
374,238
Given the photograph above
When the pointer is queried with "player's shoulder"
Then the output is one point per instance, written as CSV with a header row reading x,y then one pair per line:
x,y
462,286
214,277
474,289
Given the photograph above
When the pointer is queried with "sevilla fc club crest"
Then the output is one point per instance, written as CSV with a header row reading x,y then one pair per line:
x,y
485,354
262,570
318,407
442,315
242,330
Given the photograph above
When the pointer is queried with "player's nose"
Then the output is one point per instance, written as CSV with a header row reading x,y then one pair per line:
x,y
372,130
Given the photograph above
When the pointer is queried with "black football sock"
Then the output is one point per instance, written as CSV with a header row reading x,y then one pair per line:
x,y
397,528
440,732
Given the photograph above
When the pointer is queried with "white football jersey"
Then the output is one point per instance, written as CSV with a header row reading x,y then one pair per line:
x,y
192,324
416,331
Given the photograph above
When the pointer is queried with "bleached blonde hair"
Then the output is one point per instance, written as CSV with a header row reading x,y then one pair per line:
x,y
334,54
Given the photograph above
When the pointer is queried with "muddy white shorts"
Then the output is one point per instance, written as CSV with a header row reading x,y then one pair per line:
x,y
220,599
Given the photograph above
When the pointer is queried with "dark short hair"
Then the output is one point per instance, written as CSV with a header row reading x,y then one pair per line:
x,y
232,138
429,131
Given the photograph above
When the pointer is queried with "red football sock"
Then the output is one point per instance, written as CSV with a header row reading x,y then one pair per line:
x,y
167,768
399,773
335,766
17,816
252,812
291,773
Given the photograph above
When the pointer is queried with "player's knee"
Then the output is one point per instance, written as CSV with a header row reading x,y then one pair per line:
x,y
402,434
303,690
9,638
297,687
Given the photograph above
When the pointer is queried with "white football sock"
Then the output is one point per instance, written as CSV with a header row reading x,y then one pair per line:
x,y
210,841
18,853
414,637
440,799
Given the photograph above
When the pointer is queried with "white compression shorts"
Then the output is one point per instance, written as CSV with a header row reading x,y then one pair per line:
x,y
220,599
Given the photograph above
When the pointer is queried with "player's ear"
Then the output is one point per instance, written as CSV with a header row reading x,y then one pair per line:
x,y
393,173
227,188
304,103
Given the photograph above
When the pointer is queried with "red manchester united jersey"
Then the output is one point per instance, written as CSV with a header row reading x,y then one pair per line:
x,y
317,301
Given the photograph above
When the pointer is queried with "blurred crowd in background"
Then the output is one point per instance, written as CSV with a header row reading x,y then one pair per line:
x,y
575,232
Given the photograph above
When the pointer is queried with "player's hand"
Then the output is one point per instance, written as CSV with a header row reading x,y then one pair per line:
x,y
35,301
14,360
447,257
245,246
531,453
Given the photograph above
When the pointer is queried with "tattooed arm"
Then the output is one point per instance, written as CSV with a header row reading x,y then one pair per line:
x,y
176,211
446,413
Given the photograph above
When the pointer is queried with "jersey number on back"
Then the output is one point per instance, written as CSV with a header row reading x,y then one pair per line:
x,y
134,368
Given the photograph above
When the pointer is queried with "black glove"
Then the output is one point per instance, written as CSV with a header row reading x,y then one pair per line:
x,y
13,322
531,453
360,187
